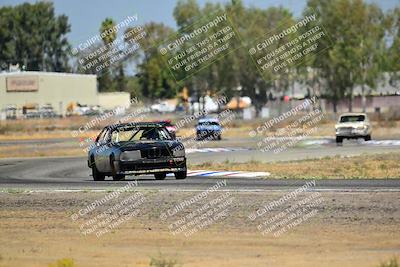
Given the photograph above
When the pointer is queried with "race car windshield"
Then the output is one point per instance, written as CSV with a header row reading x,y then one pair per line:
x,y
205,123
352,118
139,134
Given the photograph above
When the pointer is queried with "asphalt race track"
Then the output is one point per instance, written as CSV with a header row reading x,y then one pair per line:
x,y
72,173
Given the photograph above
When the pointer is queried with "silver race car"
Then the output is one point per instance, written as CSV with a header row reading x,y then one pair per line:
x,y
136,148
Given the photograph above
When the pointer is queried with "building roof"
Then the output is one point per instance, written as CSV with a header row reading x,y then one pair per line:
x,y
43,73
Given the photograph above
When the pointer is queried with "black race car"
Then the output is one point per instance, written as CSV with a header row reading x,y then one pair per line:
x,y
136,148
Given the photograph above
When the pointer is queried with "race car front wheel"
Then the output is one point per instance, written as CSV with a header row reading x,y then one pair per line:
x,y
339,140
115,176
180,175
97,176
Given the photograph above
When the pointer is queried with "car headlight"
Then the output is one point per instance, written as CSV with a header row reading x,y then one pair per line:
x,y
130,155
364,127
178,151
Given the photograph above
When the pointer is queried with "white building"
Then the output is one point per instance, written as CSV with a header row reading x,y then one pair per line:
x,y
30,88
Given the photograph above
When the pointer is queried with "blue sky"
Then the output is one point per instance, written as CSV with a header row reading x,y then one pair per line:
x,y
85,16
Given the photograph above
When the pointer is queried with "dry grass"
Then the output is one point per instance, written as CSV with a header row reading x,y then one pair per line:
x,y
350,230
64,127
365,166
25,151
41,135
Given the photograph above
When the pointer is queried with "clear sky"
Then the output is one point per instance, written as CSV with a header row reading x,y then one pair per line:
x,y
85,16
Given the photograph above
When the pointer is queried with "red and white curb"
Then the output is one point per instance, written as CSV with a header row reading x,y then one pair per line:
x,y
209,173
327,141
213,149
383,142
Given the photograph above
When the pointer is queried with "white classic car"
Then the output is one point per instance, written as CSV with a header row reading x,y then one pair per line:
x,y
353,126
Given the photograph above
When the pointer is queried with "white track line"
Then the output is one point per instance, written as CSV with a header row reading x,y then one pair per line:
x,y
107,190
210,173
214,149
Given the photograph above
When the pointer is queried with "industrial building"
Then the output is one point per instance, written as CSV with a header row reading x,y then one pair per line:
x,y
22,91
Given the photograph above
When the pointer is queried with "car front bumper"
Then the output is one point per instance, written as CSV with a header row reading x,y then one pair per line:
x,y
157,165
352,132
203,134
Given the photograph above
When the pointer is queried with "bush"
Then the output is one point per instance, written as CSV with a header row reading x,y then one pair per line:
x,y
6,128
391,263
161,261
63,263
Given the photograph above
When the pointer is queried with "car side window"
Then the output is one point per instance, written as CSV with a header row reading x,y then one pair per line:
x,y
107,137
103,137
164,134
100,136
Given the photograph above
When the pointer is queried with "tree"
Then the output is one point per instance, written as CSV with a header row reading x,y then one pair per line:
x,y
154,77
108,35
392,64
186,12
370,53
235,70
113,77
32,36
355,56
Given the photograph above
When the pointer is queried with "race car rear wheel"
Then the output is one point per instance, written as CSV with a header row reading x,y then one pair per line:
x,y
160,176
180,175
97,176
118,177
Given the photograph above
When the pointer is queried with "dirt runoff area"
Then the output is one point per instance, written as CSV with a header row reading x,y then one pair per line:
x,y
199,228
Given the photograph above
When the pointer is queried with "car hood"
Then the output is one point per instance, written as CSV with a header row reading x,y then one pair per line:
x,y
208,127
126,146
350,124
